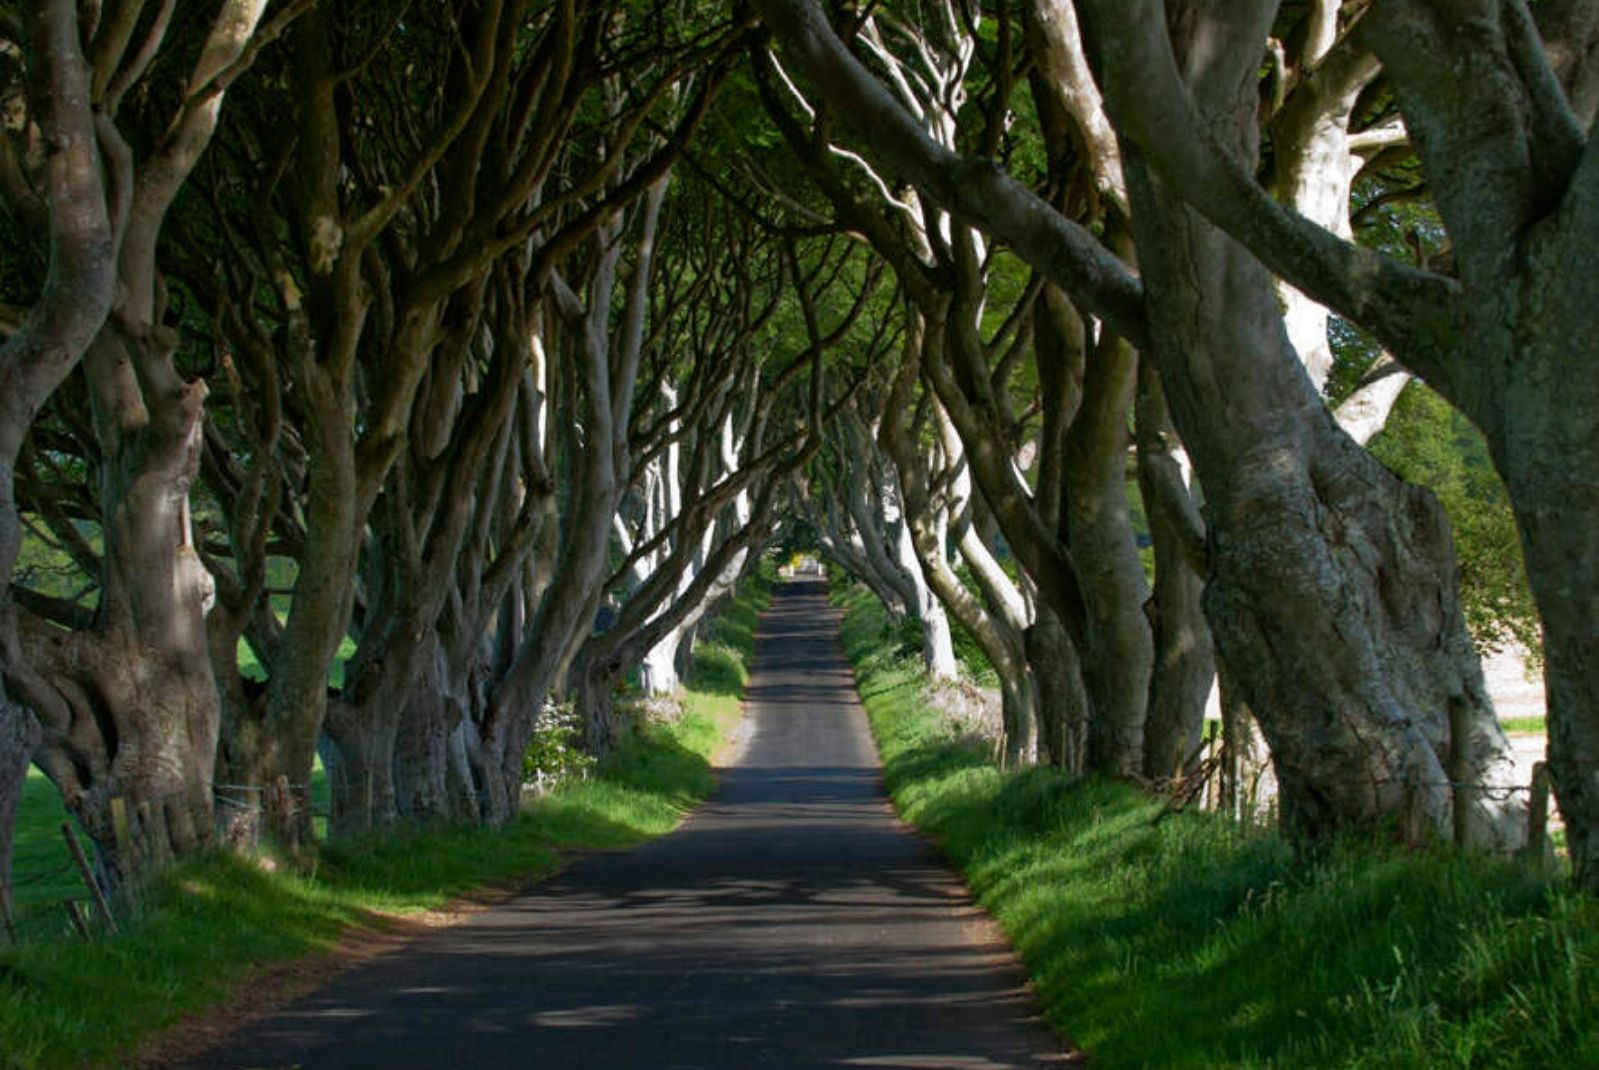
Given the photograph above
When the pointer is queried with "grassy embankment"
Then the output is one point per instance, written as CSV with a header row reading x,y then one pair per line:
x,y
1187,941
201,929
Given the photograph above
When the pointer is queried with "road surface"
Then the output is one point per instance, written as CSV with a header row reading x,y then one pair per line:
x,y
791,922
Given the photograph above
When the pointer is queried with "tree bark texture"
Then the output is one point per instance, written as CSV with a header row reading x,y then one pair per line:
x,y
1119,649
1332,593
36,358
1185,661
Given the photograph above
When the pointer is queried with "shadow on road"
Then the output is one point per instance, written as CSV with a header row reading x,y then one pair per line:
x,y
791,923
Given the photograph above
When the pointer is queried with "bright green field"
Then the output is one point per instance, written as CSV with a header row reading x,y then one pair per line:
x,y
1188,942
203,926
1534,725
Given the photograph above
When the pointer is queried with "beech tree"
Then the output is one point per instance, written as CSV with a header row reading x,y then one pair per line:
x,y
1402,726
454,328
855,510
705,451
126,699
1498,101
412,276
938,497
67,198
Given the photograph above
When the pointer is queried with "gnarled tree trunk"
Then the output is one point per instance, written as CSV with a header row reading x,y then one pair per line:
x,y
132,723
1333,588
36,358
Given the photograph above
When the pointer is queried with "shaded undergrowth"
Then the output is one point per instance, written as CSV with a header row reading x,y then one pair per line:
x,y
203,927
1183,940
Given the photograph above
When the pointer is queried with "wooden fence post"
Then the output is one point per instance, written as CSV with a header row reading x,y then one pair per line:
x,y
1538,813
101,907
8,917
76,916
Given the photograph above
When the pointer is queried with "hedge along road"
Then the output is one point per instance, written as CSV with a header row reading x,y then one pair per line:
x,y
791,922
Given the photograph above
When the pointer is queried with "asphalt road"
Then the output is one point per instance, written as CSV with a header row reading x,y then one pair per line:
x,y
791,922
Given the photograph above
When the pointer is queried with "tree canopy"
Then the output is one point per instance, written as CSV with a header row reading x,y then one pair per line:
x,y
378,376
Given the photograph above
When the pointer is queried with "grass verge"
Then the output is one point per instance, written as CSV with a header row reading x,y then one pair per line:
x,y
1186,941
204,926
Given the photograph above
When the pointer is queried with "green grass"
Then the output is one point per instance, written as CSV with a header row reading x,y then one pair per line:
x,y
202,927
1185,941
1534,725
41,867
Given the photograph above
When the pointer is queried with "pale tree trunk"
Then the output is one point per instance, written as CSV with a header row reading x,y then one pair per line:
x,y
1060,346
1185,661
716,521
663,605
668,660
358,758
1364,413
1034,523
659,668
890,548
1170,649
131,739
658,673
608,375
1247,782
1356,692
935,92
144,672
1314,165
412,397
1011,618
1322,561
938,646
430,781
1521,210
38,356
1001,643
841,542
1317,159
1512,177
409,683
1119,651
1063,698
871,505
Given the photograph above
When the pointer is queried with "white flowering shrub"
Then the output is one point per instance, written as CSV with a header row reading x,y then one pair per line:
x,y
554,756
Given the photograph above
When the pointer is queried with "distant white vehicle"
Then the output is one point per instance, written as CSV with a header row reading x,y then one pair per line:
x,y
802,565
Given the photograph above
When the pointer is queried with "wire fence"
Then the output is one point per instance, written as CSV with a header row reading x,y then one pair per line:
x,y
1204,784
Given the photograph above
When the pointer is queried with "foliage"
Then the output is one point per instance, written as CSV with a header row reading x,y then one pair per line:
x,y
799,538
554,755
905,639
1183,940
1429,443
719,670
